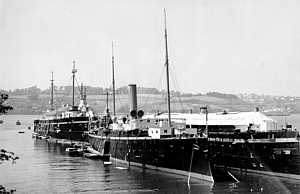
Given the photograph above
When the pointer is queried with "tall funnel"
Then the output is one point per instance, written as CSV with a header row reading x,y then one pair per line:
x,y
132,101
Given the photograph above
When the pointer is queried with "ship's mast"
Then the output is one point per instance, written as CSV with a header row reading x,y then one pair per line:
x,y
113,80
73,72
81,92
167,72
84,96
107,110
52,86
107,102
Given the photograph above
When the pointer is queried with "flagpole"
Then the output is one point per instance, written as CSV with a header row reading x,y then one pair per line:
x,y
189,177
206,119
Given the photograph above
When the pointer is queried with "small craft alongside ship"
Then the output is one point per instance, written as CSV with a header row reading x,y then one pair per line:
x,y
72,151
71,122
91,153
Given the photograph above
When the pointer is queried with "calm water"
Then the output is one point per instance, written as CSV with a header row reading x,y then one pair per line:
x,y
45,168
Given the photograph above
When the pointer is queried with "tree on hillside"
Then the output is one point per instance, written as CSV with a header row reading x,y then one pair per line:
x,y
34,90
122,90
4,106
221,95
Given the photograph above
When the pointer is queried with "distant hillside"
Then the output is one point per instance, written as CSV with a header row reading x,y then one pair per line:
x,y
33,100
148,103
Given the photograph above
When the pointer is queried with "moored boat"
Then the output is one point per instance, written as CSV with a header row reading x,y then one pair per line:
x,y
153,144
71,122
91,155
74,151
18,123
160,144
35,135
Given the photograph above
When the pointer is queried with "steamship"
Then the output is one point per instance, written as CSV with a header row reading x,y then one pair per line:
x,y
248,142
69,122
257,148
153,143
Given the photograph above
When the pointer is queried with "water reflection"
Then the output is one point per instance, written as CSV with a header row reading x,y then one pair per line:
x,y
82,171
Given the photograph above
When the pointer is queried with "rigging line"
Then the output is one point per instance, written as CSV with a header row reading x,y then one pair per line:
x,y
119,98
258,158
159,48
175,88
149,93
178,63
158,86
156,95
78,87
104,108
174,75
176,84
57,97
122,106
66,91
100,104
155,106
146,102
43,105
175,80
101,100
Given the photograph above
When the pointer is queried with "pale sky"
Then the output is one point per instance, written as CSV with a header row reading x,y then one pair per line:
x,y
225,46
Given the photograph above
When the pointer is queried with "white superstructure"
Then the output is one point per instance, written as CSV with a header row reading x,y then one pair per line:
x,y
241,120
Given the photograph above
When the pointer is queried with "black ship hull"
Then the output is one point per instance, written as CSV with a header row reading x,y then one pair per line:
x,y
274,153
183,156
75,128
